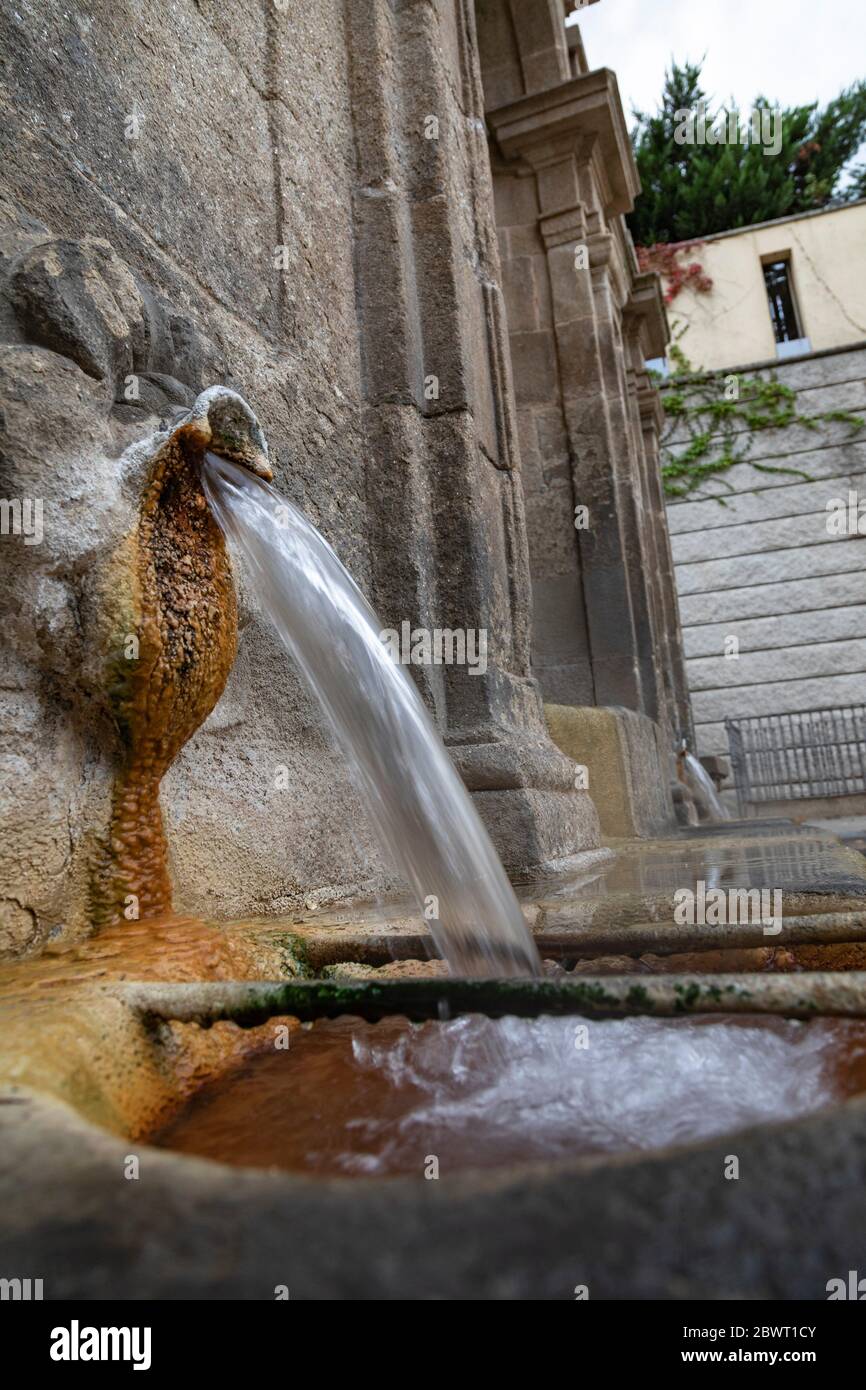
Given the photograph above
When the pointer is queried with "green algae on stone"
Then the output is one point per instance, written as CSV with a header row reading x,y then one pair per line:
x,y
421,999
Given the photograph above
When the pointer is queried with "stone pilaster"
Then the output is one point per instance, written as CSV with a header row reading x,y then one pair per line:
x,y
450,546
582,322
572,142
647,338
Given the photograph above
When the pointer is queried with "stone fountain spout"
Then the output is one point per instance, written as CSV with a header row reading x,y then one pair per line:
x,y
170,637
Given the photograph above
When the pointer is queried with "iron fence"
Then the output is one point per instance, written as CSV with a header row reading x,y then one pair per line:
x,y
793,757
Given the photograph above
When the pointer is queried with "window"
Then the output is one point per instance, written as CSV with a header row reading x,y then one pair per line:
x,y
783,311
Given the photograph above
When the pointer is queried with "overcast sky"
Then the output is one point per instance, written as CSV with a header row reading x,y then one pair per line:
x,y
791,51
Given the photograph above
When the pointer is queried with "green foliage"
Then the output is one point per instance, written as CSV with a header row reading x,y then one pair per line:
x,y
693,191
721,430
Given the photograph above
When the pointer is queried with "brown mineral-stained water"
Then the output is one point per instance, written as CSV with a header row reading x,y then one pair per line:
x,y
352,1099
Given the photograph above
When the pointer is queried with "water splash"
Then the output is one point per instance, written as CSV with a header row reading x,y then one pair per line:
x,y
704,787
675,1081
422,813
378,1100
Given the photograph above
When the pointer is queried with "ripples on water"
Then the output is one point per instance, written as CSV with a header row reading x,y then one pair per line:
x,y
351,1098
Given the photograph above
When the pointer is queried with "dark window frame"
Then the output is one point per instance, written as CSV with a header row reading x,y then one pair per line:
x,y
781,299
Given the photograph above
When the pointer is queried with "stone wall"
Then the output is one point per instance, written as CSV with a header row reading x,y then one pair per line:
x,y
254,195
764,569
583,321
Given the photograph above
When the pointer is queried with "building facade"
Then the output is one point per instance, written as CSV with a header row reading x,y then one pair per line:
x,y
318,231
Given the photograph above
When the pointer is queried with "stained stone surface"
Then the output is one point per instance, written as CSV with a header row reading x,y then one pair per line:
x,y
249,198
82,1079
628,765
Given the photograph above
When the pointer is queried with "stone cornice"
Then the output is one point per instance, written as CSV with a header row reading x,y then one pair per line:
x,y
646,305
649,402
575,115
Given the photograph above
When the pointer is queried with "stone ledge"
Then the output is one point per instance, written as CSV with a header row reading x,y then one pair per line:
x,y
646,305
548,124
620,749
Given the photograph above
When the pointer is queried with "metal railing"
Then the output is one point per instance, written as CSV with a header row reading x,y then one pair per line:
x,y
793,757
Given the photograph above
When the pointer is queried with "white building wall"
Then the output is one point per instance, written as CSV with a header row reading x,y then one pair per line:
x,y
731,325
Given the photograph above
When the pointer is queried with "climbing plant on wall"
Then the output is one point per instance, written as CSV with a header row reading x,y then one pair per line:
x,y
678,266
713,417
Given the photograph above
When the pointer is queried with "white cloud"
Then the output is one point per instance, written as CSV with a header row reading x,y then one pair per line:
x,y
791,51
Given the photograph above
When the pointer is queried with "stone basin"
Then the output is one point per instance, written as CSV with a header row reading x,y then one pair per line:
x,y
106,1041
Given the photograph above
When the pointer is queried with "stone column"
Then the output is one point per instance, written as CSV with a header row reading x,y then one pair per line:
x,y
648,336
572,139
605,625
644,407
449,544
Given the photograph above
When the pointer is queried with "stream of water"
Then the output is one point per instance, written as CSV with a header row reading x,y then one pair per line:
x,y
702,783
424,817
